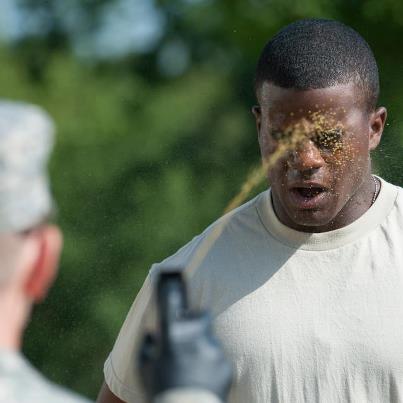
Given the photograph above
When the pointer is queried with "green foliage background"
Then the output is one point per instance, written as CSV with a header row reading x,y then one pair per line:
x,y
145,161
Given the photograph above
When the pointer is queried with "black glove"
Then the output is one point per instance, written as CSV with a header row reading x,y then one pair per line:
x,y
185,354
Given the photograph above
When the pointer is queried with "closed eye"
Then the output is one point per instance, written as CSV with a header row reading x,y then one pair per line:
x,y
281,135
328,139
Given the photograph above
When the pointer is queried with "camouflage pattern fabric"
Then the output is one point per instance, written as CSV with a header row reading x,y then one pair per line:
x,y
21,383
26,139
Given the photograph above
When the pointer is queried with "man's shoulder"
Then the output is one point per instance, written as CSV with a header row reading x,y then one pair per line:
x,y
20,382
399,200
240,218
236,226
397,193
400,192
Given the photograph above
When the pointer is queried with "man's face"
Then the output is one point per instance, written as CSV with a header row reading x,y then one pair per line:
x,y
323,137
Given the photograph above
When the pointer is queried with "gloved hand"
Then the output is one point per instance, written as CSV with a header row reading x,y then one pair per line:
x,y
185,354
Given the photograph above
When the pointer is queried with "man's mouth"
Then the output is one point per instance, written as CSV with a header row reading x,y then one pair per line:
x,y
308,193
309,196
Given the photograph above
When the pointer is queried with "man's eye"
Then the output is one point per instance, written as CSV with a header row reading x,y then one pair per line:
x,y
328,139
280,135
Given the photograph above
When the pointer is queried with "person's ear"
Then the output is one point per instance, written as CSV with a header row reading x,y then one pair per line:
x,y
257,113
48,240
377,124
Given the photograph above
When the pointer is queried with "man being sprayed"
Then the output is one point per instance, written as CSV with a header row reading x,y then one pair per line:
x,y
29,247
305,281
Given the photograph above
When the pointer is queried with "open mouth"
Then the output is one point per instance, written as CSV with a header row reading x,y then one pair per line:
x,y
308,193
309,197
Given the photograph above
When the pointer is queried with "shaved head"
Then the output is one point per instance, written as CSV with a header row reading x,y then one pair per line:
x,y
319,53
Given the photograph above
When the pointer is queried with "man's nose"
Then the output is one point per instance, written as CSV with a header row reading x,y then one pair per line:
x,y
306,157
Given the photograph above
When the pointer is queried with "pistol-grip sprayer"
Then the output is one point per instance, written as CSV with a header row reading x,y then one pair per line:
x,y
183,361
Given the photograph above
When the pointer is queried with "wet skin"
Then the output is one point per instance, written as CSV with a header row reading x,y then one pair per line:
x,y
324,181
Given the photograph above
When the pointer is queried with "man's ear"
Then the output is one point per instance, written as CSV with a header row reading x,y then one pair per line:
x,y
48,240
256,110
377,124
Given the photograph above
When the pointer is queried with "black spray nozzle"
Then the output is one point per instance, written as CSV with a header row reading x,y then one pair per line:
x,y
172,302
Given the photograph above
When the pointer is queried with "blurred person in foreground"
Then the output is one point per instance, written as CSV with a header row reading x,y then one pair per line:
x,y
29,247
305,281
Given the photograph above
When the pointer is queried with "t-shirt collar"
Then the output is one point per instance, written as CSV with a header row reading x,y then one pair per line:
x,y
331,239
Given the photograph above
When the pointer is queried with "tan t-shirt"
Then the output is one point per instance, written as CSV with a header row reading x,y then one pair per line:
x,y
303,317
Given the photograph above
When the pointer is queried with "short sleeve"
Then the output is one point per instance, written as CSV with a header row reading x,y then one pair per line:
x,y
120,369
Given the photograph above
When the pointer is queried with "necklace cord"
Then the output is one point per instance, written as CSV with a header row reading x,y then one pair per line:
x,y
376,189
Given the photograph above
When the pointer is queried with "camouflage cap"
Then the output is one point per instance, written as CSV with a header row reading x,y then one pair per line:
x,y
26,139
